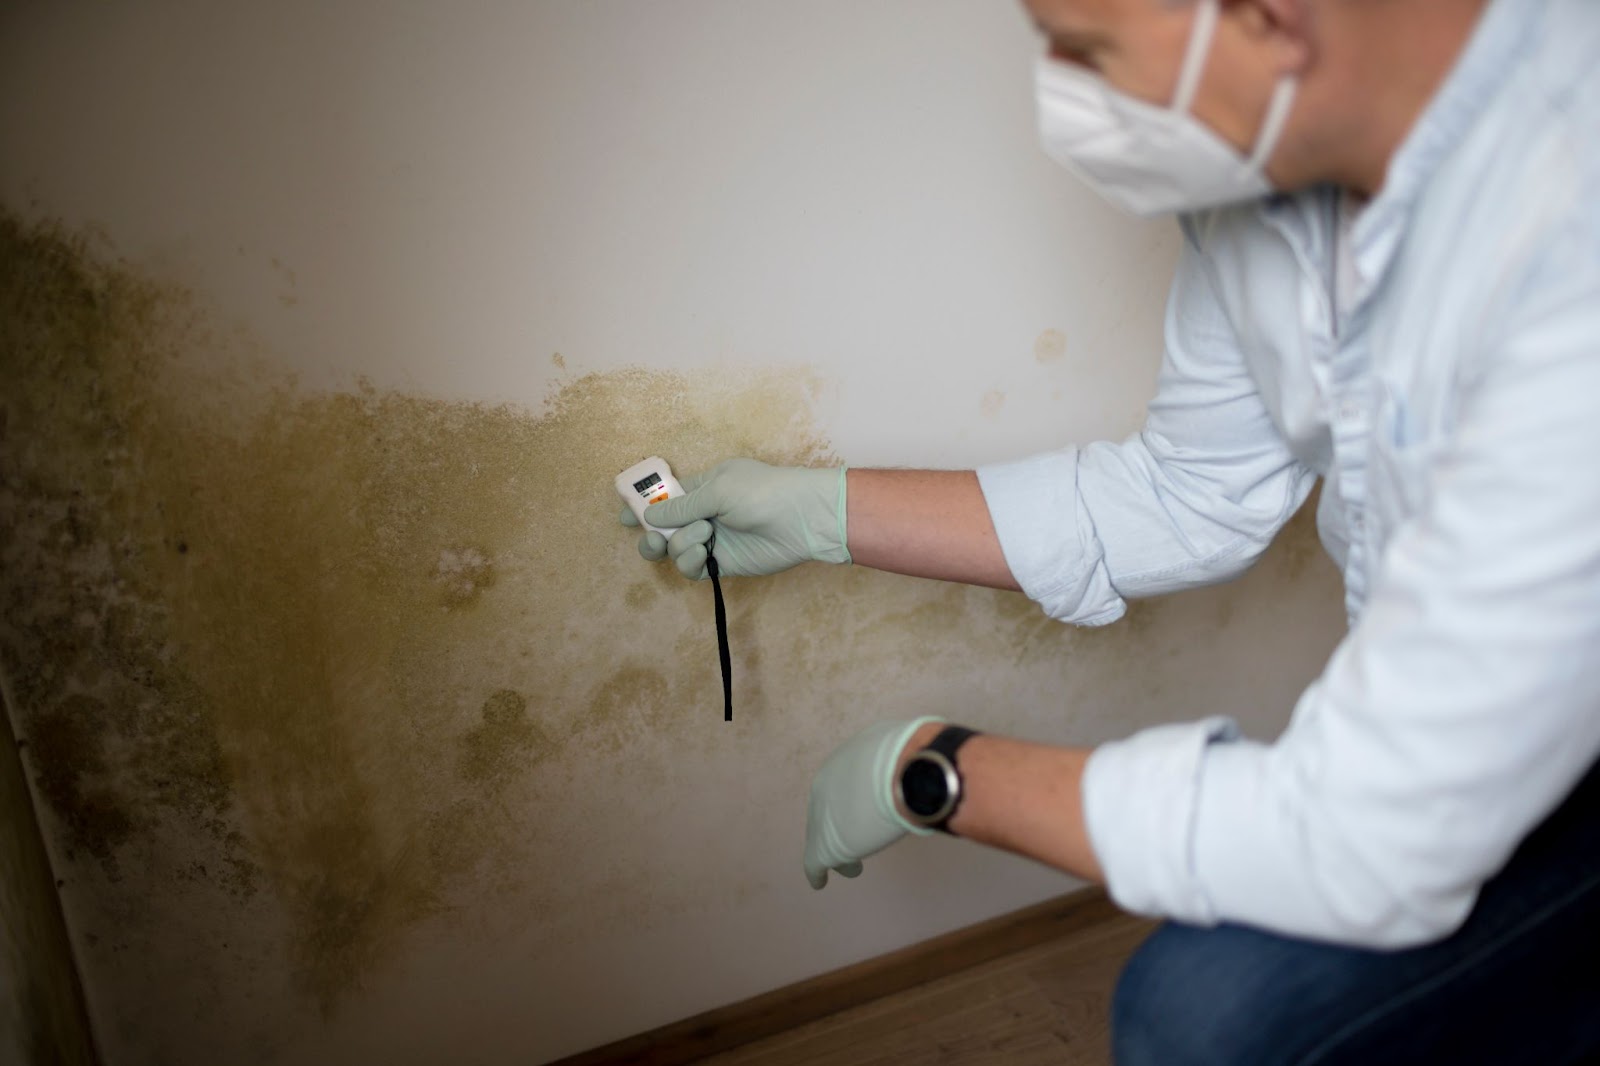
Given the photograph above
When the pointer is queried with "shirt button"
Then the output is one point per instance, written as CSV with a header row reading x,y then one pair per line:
x,y
1349,411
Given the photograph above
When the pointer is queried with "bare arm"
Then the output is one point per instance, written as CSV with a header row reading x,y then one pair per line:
x,y
925,523
1019,796
1023,797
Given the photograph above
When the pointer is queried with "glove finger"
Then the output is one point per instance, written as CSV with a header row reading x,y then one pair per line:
x,y
690,482
653,546
627,518
691,562
688,549
849,869
693,535
817,874
694,504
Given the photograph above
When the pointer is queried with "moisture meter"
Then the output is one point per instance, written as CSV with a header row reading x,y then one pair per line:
x,y
651,481
646,482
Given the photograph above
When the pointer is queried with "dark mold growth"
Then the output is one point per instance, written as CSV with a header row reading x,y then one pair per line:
x,y
69,749
84,647
241,619
634,694
641,594
43,1017
506,742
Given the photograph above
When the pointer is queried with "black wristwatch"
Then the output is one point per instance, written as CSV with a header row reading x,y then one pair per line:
x,y
929,788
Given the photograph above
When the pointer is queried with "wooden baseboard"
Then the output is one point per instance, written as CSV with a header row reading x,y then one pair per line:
x,y
793,1005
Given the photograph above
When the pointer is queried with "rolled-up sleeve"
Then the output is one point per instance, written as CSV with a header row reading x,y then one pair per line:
x,y
1192,499
1458,712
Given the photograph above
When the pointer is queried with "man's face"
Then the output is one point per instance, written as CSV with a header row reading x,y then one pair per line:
x,y
1137,46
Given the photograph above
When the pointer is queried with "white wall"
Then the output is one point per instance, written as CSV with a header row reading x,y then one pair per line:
x,y
833,224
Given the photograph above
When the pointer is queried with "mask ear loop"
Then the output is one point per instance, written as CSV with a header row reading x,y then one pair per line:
x,y
1272,126
1194,57
1194,67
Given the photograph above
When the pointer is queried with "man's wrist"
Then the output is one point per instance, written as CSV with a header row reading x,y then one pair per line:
x,y
841,515
821,506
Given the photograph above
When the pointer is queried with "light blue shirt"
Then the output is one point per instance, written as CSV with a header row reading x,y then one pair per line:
x,y
1436,360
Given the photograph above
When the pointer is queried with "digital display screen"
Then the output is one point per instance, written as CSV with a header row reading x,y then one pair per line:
x,y
641,486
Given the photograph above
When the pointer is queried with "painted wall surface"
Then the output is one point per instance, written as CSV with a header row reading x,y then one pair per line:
x,y
358,729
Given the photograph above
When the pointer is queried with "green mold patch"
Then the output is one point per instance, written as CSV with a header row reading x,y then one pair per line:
x,y
507,741
242,620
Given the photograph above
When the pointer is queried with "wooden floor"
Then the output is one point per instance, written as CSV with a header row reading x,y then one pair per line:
x,y
1043,1003
1032,986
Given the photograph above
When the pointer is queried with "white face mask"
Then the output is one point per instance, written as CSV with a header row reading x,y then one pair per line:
x,y
1151,160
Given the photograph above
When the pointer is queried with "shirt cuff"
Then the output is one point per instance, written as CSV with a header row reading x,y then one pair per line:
x,y
1140,797
1048,538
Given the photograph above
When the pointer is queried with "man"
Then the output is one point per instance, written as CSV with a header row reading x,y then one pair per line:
x,y
1390,280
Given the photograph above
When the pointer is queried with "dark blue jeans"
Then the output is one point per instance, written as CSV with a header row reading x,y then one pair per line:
x,y
1519,982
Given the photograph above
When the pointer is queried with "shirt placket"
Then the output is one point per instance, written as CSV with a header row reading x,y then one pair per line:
x,y
1340,366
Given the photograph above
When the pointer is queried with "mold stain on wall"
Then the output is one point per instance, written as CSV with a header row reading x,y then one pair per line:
x,y
290,651
302,672
42,1018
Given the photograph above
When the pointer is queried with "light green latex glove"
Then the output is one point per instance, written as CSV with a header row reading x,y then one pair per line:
x,y
766,519
852,813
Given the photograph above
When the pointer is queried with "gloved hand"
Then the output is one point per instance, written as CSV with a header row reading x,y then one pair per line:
x,y
852,813
767,519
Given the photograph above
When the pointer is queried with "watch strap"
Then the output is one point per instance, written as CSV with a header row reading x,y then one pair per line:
x,y
948,739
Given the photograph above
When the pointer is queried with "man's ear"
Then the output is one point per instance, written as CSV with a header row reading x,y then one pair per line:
x,y
1284,24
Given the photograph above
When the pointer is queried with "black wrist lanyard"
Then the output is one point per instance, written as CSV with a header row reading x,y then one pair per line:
x,y
722,629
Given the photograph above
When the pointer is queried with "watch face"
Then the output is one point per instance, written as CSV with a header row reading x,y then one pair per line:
x,y
925,787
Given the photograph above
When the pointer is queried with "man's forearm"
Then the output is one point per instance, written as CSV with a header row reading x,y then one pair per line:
x,y
1023,797
1019,796
926,523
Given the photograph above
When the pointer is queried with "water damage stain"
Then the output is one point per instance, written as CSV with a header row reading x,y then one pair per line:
x,y
301,672
462,574
241,618
44,1018
505,743
68,745
1050,346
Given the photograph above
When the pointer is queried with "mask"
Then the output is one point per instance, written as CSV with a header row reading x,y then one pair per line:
x,y
1151,160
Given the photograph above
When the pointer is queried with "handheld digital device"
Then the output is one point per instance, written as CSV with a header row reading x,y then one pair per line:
x,y
650,481
645,482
